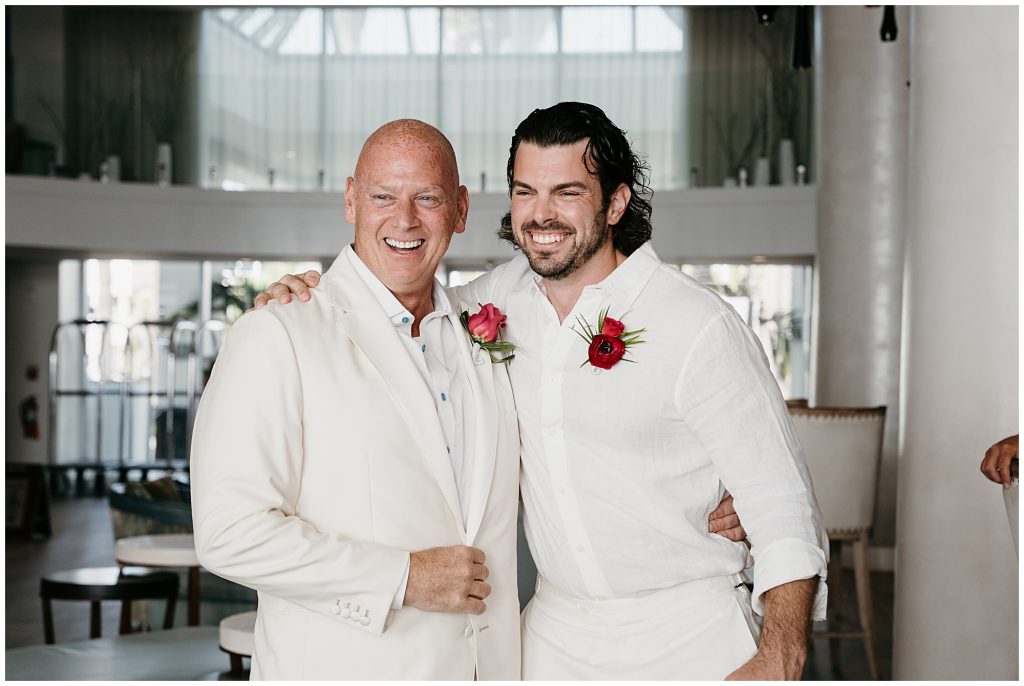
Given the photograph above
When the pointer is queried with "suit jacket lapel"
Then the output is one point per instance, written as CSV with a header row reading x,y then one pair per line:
x,y
368,327
485,441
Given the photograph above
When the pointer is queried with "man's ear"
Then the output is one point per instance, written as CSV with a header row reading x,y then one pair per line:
x,y
460,224
350,200
618,202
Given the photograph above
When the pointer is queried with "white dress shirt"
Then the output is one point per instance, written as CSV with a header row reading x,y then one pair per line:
x,y
621,467
435,353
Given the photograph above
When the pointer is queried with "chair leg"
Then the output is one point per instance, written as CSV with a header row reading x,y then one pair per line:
x,y
835,593
193,596
125,626
95,623
48,622
862,576
169,611
236,663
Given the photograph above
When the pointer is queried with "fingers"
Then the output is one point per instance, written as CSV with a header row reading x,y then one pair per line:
x,y
296,286
289,285
722,523
996,463
448,579
479,589
736,533
724,508
1003,460
475,606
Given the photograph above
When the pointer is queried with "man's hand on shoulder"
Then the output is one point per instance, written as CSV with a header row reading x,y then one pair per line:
x,y
290,284
450,579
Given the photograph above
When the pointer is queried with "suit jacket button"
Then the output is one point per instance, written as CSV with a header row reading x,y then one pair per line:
x,y
365,621
337,609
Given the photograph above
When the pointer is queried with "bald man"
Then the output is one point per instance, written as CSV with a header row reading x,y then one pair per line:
x,y
356,462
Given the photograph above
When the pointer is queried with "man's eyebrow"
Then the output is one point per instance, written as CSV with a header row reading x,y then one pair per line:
x,y
387,188
577,185
570,184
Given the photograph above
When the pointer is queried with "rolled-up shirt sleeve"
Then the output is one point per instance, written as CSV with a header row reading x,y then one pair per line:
x,y
731,402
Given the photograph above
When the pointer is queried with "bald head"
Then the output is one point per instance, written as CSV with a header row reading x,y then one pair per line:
x,y
405,202
408,136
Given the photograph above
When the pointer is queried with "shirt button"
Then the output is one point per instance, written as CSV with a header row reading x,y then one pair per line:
x,y
468,632
405,320
423,349
449,449
444,397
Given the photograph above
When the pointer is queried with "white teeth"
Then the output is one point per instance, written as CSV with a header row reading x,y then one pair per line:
x,y
547,239
406,245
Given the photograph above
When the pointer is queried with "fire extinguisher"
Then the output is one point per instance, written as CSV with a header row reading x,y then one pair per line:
x,y
29,411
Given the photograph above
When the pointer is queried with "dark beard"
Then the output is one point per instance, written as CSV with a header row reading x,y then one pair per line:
x,y
579,256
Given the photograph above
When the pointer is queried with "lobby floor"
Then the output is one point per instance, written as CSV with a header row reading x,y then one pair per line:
x,y
83,537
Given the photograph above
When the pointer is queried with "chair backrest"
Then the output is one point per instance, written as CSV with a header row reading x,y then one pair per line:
x,y
843,447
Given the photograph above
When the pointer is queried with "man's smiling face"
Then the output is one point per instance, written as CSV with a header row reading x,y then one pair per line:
x,y
405,203
559,218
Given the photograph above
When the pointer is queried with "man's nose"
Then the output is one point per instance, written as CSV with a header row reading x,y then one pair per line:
x,y
544,210
405,216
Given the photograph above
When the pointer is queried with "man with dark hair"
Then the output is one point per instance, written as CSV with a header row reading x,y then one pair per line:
x,y
641,398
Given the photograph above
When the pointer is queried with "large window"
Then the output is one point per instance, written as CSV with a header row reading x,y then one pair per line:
x,y
289,94
775,302
130,380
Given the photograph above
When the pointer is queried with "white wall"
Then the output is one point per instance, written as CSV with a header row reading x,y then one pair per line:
x,y
956,600
76,218
31,303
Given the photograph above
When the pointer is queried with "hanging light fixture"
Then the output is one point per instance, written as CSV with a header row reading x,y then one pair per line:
x,y
888,30
802,38
765,15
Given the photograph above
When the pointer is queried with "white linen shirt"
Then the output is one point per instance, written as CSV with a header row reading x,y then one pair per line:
x,y
621,467
436,355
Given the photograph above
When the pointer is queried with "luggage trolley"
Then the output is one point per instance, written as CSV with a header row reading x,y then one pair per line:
x,y
198,345
58,393
151,345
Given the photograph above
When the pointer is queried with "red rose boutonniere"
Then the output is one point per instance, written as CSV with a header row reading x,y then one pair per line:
x,y
609,342
484,328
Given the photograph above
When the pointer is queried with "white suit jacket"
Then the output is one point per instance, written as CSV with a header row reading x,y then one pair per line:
x,y
318,461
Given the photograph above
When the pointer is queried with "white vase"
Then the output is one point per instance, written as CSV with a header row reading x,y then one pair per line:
x,y
163,164
787,167
762,172
113,168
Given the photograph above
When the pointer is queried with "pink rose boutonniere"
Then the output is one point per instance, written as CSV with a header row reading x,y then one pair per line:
x,y
609,342
484,329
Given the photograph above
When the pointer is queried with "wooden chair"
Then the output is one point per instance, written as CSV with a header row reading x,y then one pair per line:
x,y
843,447
96,584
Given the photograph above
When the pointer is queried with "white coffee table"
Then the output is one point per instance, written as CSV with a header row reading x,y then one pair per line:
x,y
165,550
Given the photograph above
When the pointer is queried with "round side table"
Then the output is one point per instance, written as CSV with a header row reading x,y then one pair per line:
x,y
165,550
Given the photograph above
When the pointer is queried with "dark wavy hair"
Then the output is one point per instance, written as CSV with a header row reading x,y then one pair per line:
x,y
608,156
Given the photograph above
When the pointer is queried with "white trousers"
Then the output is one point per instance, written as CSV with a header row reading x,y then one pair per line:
x,y
702,629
